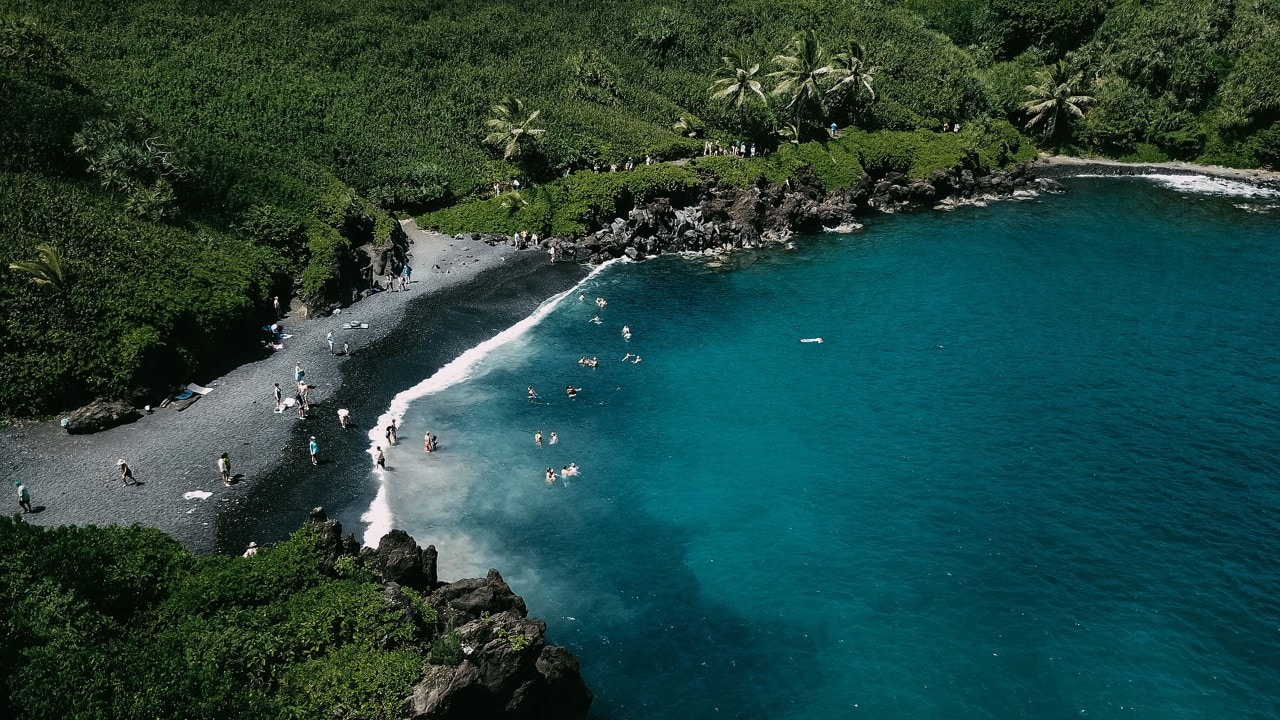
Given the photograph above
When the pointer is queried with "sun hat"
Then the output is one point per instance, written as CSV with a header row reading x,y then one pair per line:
x,y
120,461
253,544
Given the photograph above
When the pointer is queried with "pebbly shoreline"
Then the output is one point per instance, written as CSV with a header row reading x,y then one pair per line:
x,y
73,478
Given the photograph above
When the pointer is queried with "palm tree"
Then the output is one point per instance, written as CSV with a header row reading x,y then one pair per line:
x,y
511,128
736,80
854,75
1055,95
687,125
47,270
801,68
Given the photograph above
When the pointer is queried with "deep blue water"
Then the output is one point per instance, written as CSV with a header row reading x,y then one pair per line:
x,y
1032,472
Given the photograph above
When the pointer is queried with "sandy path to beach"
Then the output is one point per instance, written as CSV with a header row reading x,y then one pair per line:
x,y
172,454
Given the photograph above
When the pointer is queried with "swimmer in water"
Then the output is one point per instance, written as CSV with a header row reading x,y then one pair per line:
x,y
626,330
626,357
573,468
581,297
597,320
554,439
594,362
537,438
551,476
532,395
570,390
582,360
633,362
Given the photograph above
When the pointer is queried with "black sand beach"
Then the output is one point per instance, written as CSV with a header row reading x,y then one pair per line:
x,y
463,292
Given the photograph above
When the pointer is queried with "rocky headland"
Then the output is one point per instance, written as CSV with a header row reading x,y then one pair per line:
x,y
720,217
504,667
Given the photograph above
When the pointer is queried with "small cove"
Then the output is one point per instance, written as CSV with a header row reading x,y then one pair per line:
x,y
1030,472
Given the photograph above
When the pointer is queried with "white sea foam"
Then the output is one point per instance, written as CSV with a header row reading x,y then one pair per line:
x,y
1205,185
844,228
1201,184
379,515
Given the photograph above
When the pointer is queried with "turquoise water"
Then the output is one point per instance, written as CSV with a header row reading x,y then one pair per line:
x,y
1032,472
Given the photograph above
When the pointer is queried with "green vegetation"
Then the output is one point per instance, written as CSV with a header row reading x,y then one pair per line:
x,y
123,622
187,160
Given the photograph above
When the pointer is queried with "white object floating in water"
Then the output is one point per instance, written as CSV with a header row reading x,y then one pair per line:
x,y
197,495
813,340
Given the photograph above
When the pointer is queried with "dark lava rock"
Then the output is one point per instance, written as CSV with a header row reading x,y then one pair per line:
x,y
101,415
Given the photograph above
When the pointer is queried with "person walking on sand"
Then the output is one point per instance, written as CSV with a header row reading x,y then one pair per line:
x,y
313,448
329,339
224,468
126,475
24,497
379,459
276,393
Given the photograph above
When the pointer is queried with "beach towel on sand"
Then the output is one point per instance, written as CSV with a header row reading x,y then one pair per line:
x,y
199,390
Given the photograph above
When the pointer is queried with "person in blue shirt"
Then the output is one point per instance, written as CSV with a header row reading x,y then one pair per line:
x,y
314,448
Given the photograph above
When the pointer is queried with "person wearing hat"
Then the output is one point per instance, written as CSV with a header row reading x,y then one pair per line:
x,y
24,498
253,549
314,448
126,475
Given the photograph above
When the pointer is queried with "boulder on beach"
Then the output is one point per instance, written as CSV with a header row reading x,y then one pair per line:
x,y
100,415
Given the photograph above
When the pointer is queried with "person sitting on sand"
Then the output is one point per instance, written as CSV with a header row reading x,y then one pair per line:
x,y
571,391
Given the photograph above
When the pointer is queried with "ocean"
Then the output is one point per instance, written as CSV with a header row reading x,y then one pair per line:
x,y
1031,471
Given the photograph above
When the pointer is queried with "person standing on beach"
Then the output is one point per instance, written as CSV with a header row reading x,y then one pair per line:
x,y
314,448
276,393
298,372
24,498
329,338
275,303
379,459
391,433
224,468
346,349
126,475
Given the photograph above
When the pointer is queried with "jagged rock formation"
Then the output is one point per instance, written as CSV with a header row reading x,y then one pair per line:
x,y
506,669
727,217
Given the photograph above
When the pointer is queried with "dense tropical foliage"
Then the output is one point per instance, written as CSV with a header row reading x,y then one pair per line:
x,y
187,160
124,623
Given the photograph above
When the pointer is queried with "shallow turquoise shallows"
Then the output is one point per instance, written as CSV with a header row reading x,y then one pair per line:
x,y
1033,471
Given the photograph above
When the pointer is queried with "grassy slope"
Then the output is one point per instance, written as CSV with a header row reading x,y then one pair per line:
x,y
289,113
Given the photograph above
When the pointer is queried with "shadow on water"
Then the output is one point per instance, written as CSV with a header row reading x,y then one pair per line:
x,y
436,329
